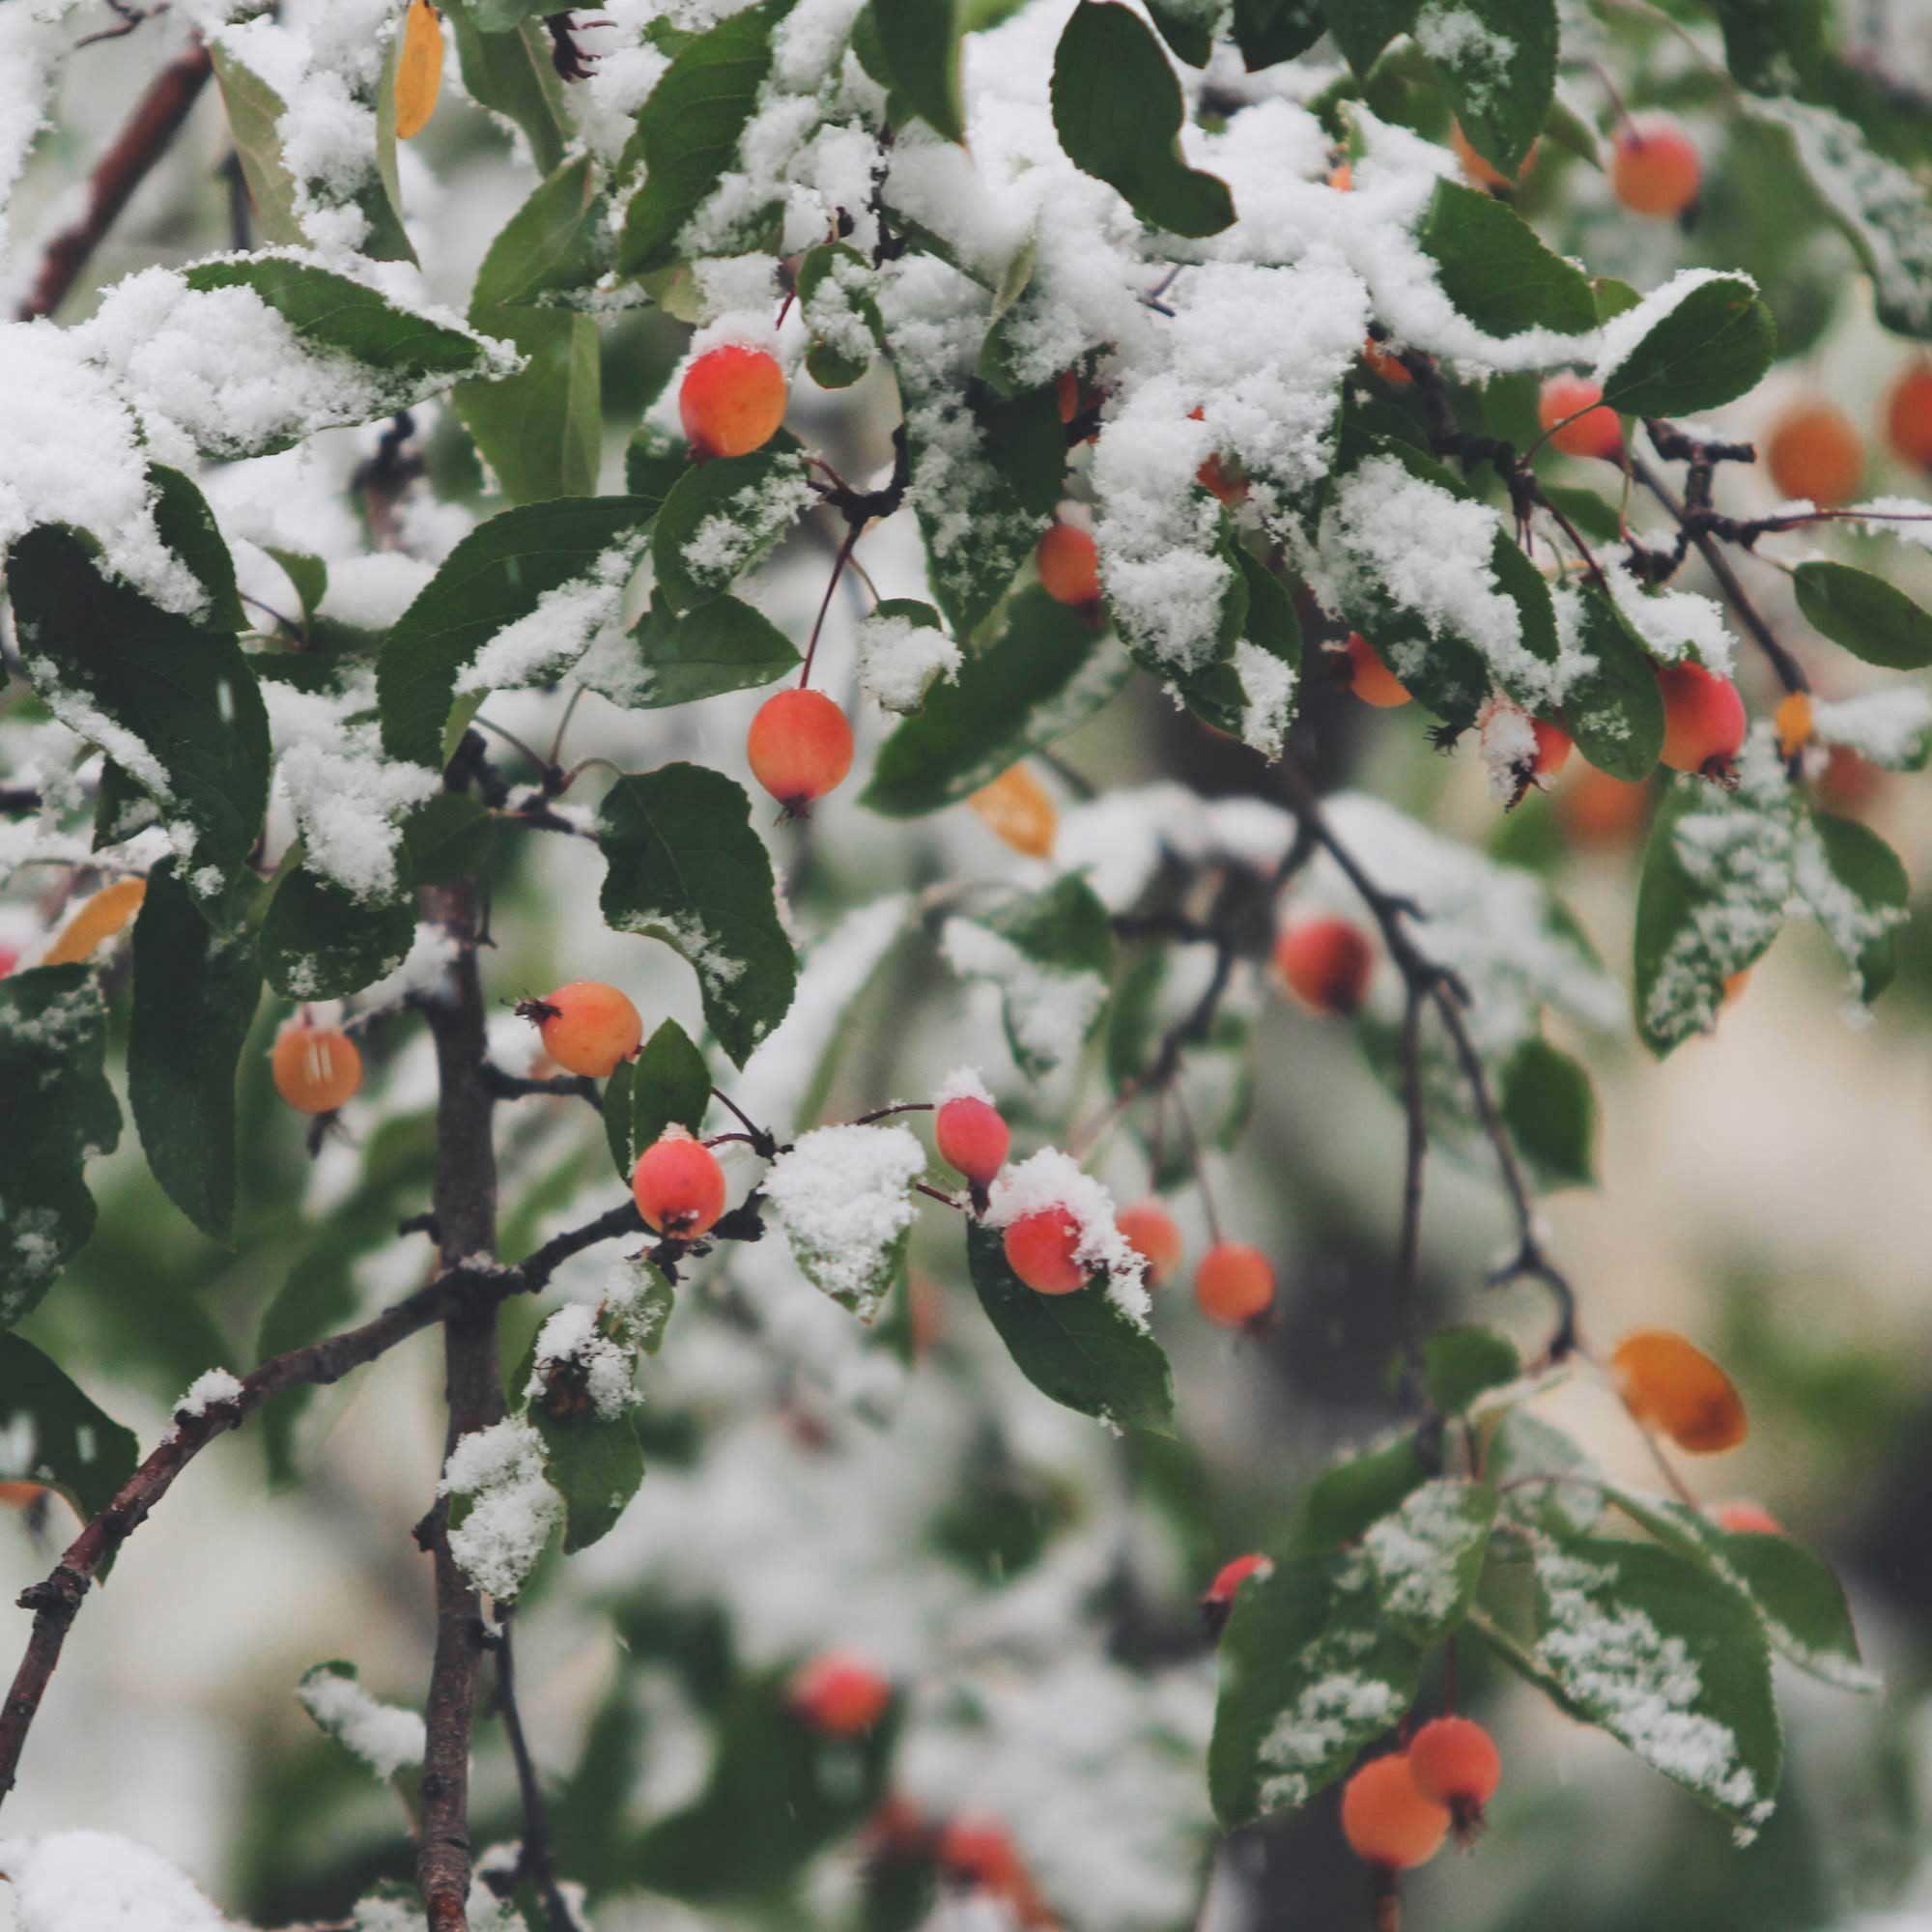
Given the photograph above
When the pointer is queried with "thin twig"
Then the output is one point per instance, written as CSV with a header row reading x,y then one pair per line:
x,y
533,1856
515,1086
1409,1245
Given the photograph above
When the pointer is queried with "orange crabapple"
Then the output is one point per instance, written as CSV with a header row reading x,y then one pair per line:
x,y
1602,813
1793,722
1387,1821
1150,1230
1326,963
1478,172
1553,745
799,747
1655,168
1213,478
587,1027
1369,678
1068,563
1671,1384
1746,1519
731,401
678,1186
1455,1762
840,1696
316,1068
1814,452
978,1853
1234,1284
1042,1249
971,1137
1381,362
1908,414
1587,427
1703,719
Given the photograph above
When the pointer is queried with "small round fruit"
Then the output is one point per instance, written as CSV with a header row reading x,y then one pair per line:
x,y
1553,745
1602,813
975,1851
1234,1284
1595,430
1369,678
1326,963
1387,1821
1342,178
1815,453
22,1496
731,400
1655,167
1068,563
1908,415
1748,1519
316,1068
587,1027
1674,1386
1793,722
1232,1575
1848,784
1017,810
839,1695
1150,1230
800,748
1455,1762
1042,1249
1476,170
971,1137
1703,719
1214,477
678,1186
1390,368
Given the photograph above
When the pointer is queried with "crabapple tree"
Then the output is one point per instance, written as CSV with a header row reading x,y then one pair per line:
x,y
1018,605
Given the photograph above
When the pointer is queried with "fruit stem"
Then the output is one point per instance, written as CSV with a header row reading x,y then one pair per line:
x,y
839,564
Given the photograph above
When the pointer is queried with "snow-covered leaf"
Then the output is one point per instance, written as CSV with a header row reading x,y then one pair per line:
x,y
1614,710
1250,691
384,1738
519,599
1118,110
835,298
593,1460
175,705
60,1109
1671,1659
1083,1349
1358,1489
52,1432
1858,891
843,1196
195,994
319,942
1048,672
255,112
667,1081
1496,270
188,527
721,645
1675,353
1497,59
1873,620
686,867
722,517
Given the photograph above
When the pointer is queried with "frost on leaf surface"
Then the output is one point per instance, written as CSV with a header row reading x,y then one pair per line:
x,y
503,1510
843,1196
573,1340
900,658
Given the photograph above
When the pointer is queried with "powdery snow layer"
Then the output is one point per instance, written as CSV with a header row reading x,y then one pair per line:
x,y
384,1736
95,1882
570,1336
1054,1179
499,1471
843,1196
1050,1011
900,659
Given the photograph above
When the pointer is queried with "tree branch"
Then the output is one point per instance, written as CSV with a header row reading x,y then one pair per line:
x,y
533,1859
156,118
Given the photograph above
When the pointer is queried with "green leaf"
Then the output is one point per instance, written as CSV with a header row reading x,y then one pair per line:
x,y
723,517
688,130
1769,42
189,529
1241,693
920,39
684,867
1497,60
1118,111
1524,1447
1709,349
494,577
1870,618
595,1462
1459,1364
1083,1349
653,463
1324,1654
318,942
334,316
179,703
513,74
1669,1659
1357,1491
722,644
1363,28
255,112
1186,29
308,574
1269,31
448,838
381,199
668,1083
1551,1112
1615,710
1052,955
53,1042
1048,671
195,994
834,298
70,1445
1496,270
1859,895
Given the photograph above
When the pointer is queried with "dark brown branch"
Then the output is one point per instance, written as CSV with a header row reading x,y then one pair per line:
x,y
517,1086
156,118
1415,1154
533,1856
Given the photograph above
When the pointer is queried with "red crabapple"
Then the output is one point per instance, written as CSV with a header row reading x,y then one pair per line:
x,y
1908,415
316,1068
1150,1230
1553,745
1455,1762
971,1137
1217,1601
800,747
587,1027
1042,1249
731,401
1234,1284
1703,719
1068,563
1595,430
1326,962
839,1695
1387,1821
1369,678
678,1186
1655,167
1815,453
1748,1519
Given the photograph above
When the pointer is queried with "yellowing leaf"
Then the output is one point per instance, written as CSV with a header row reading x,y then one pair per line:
x,y
419,70
96,921
1016,808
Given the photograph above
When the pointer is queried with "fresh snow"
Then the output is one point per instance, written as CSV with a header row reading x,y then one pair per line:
x,y
500,1472
843,1197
